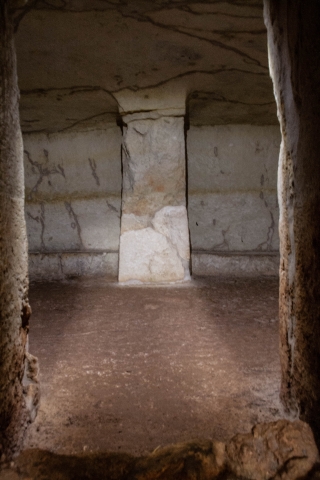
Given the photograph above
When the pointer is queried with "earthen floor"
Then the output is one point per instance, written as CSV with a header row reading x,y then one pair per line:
x,y
128,369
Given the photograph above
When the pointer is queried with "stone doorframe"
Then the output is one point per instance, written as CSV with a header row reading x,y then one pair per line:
x,y
293,39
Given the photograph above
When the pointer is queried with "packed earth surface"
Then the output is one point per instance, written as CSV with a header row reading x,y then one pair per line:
x,y
129,369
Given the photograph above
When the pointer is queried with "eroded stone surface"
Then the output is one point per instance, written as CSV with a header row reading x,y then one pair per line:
x,y
232,179
293,33
153,165
172,222
73,188
85,224
279,450
73,184
61,266
147,256
248,264
154,241
214,52
18,402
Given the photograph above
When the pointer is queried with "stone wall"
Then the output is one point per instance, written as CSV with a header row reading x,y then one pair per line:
x,y
232,198
73,200
73,196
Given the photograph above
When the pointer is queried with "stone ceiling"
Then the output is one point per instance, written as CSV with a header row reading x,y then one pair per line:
x,y
75,57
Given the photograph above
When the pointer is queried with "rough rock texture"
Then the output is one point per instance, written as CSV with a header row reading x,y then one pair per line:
x,y
250,264
75,57
232,188
18,374
201,460
293,38
278,450
197,460
85,61
73,200
73,188
61,266
154,240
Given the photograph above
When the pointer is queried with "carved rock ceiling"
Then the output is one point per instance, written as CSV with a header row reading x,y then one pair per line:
x,y
74,56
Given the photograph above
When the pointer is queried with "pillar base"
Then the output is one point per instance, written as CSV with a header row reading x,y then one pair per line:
x,y
159,253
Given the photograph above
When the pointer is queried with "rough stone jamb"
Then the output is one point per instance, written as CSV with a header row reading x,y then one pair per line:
x,y
18,369
294,58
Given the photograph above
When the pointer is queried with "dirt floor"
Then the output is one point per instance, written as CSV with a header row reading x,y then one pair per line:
x,y
128,369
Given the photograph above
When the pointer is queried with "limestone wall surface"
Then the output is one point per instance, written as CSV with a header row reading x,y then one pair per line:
x,y
73,196
232,198
73,200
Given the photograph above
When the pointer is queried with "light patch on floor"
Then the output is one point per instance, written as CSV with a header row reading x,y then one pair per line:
x,y
127,369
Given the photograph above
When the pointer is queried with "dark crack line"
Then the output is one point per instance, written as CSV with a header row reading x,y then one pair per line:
x,y
78,89
271,228
93,167
42,171
61,263
23,12
135,88
74,89
222,32
40,219
221,98
36,219
186,8
145,19
224,243
43,226
82,120
112,208
214,43
168,6
75,223
54,7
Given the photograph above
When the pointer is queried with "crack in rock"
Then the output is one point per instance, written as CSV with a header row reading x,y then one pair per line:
x,y
43,171
75,223
40,219
93,167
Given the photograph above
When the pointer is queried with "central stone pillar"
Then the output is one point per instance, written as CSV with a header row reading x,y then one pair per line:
x,y
154,240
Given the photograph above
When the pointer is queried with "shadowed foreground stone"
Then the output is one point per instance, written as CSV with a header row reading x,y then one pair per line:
x,y
279,450
293,39
19,389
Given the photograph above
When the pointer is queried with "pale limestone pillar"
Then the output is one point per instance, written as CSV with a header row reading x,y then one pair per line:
x,y
154,241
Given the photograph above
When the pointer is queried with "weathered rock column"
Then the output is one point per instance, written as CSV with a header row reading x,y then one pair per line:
x,y
294,56
18,369
154,241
